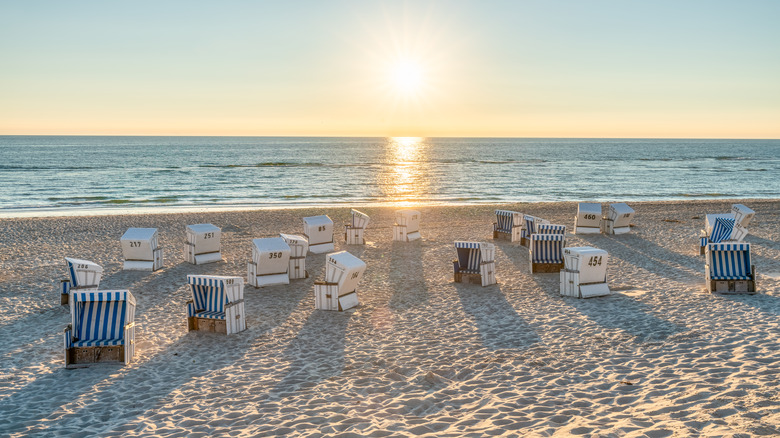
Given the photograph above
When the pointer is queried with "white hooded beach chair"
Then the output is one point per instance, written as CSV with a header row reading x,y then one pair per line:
x,y
742,215
588,219
717,228
584,273
728,268
83,275
102,328
508,225
319,231
545,252
530,227
299,247
407,225
618,220
353,231
217,304
338,291
140,249
270,262
476,263
203,244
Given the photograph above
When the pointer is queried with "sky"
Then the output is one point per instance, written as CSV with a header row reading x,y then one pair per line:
x,y
607,69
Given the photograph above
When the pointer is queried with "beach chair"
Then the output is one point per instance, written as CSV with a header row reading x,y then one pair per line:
x,y
270,262
140,249
407,225
618,219
83,275
476,263
217,304
101,329
717,228
508,225
530,224
545,252
742,215
338,291
203,244
319,231
299,246
588,219
550,229
584,273
728,269
353,231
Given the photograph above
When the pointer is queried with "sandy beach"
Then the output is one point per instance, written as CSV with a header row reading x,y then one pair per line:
x,y
421,355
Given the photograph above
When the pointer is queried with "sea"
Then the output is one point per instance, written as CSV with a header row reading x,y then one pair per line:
x,y
67,175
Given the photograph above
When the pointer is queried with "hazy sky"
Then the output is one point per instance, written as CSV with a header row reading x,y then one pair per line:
x,y
541,68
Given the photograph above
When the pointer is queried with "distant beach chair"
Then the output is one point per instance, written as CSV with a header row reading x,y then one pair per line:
x,y
742,215
299,247
102,328
407,225
588,219
140,249
203,244
550,229
217,304
618,220
319,231
83,275
475,264
338,291
728,268
508,225
584,274
530,224
546,252
270,262
353,231
717,228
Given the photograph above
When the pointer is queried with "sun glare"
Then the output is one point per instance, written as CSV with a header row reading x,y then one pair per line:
x,y
408,77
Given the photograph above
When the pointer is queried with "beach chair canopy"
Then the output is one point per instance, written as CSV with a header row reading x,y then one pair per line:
x,y
98,318
359,219
722,229
742,215
506,220
551,229
83,273
531,223
408,218
730,261
211,294
590,262
139,243
271,255
299,246
588,215
319,229
472,254
205,237
709,221
620,214
344,269
547,248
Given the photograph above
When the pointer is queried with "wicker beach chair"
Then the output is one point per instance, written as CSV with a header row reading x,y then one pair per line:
x,y
728,268
407,225
102,328
618,219
353,231
530,224
338,291
584,273
270,262
319,232
545,252
508,225
717,228
475,263
203,244
299,247
83,275
588,219
141,250
217,304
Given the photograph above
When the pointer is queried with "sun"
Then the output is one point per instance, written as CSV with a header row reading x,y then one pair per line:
x,y
408,77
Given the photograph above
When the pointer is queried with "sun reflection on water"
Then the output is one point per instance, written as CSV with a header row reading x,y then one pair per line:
x,y
404,180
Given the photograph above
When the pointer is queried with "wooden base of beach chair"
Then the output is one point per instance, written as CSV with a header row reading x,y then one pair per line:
x,y
79,357
64,299
732,287
546,267
207,325
465,277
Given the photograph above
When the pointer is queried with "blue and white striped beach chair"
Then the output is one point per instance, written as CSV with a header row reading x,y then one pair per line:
x,y
728,268
353,231
217,304
530,224
102,328
545,252
550,229
508,225
719,231
83,275
475,263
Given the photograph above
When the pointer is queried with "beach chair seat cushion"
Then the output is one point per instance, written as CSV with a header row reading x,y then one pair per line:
x,y
99,343
210,314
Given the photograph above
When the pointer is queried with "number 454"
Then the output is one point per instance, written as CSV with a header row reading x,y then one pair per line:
x,y
595,261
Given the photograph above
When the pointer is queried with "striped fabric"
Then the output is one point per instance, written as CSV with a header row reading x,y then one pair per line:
x,y
99,343
529,226
74,281
721,230
551,229
99,317
208,294
730,261
469,256
504,220
703,241
211,315
547,248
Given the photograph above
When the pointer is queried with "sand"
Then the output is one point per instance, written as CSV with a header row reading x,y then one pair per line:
x,y
421,355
